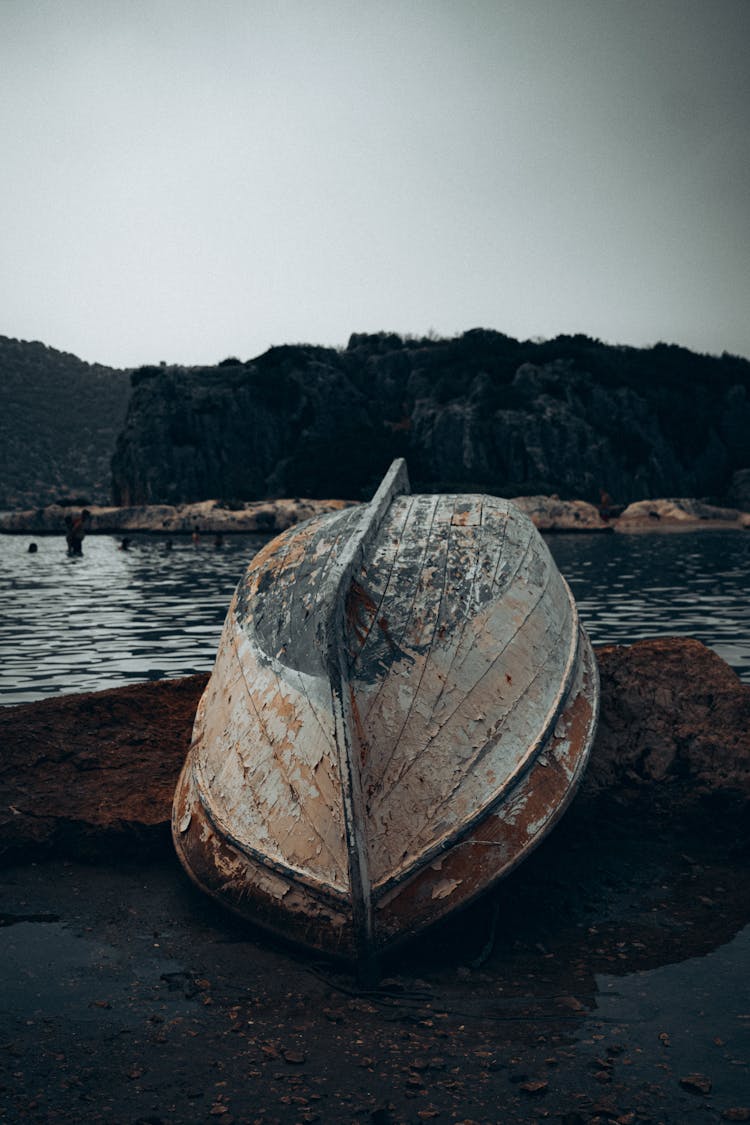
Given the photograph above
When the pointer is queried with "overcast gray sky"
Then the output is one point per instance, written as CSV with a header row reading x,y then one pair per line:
x,y
184,180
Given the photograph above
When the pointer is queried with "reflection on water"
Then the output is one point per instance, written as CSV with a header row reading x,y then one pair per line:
x,y
691,1017
114,616
53,971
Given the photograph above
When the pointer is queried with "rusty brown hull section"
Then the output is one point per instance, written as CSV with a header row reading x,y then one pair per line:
x,y
402,704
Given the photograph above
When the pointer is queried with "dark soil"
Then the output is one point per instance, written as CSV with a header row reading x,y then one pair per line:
x,y
604,981
129,997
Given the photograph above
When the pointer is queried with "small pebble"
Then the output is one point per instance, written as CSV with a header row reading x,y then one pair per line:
x,y
696,1083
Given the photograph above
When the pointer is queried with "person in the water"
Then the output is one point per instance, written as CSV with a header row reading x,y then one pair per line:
x,y
77,527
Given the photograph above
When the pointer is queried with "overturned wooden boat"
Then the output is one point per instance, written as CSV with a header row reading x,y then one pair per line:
x,y
402,705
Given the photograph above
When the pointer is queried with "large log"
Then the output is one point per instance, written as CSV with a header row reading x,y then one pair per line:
x,y
84,773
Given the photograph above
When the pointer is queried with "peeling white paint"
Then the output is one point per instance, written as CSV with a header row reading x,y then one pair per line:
x,y
445,887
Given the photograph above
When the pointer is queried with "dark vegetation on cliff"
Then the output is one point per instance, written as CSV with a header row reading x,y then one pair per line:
x,y
59,420
478,412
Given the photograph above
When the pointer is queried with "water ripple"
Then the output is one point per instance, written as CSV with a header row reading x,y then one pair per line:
x,y
113,616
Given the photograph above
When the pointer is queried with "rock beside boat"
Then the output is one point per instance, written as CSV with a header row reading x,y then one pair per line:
x,y
209,516
672,714
87,773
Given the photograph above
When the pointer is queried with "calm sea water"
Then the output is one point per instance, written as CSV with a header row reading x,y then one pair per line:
x,y
113,616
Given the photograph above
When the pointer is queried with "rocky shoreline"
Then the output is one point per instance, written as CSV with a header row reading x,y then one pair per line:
x,y
548,513
207,516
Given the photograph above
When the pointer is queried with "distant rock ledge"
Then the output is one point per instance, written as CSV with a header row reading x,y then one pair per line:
x,y
83,773
676,515
548,513
208,516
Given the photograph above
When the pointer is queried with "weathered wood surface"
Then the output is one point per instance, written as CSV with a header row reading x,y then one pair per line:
x,y
398,688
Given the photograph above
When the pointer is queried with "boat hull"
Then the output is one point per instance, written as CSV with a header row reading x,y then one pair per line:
x,y
486,853
402,706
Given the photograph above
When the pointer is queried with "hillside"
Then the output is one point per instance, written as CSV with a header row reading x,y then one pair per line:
x,y
59,420
478,412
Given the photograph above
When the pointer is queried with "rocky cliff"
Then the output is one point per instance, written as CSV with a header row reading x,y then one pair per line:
x,y
479,412
59,420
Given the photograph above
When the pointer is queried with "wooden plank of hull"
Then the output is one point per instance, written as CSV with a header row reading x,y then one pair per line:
x,y
402,704
275,900
509,830
445,715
